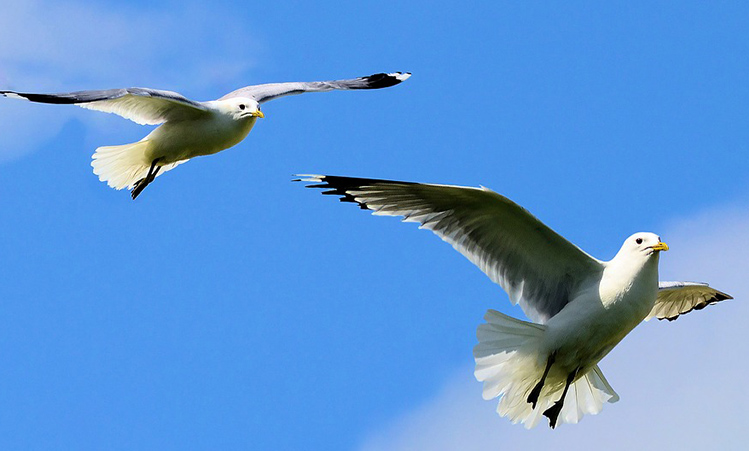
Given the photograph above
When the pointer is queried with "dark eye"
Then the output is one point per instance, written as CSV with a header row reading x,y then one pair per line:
x,y
241,107
638,241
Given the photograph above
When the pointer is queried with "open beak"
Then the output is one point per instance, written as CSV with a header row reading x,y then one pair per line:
x,y
661,246
257,113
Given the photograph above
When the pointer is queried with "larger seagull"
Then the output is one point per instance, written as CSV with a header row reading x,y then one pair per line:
x,y
189,128
582,306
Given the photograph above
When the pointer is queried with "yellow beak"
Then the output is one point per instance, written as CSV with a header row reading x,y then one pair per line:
x,y
661,246
257,113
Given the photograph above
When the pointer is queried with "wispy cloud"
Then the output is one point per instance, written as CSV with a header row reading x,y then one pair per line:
x,y
681,383
61,46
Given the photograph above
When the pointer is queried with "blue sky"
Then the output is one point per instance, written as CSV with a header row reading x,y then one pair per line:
x,y
228,308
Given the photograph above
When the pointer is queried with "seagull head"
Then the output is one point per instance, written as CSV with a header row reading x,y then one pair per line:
x,y
636,260
240,108
643,244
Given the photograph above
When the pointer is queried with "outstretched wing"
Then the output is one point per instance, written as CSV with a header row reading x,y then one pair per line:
x,y
142,105
537,267
270,91
678,298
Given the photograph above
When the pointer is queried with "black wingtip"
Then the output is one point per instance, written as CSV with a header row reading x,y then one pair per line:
x,y
41,98
342,186
383,80
336,186
720,296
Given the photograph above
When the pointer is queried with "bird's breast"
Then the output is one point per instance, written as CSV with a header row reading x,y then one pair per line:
x,y
188,139
626,291
600,317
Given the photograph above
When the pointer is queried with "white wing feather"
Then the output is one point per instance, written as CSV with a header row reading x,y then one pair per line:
x,y
270,91
678,298
144,106
537,267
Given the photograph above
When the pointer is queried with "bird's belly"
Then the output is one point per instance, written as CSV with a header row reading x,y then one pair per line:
x,y
584,334
179,141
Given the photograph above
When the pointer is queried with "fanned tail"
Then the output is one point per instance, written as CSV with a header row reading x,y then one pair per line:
x,y
509,362
122,166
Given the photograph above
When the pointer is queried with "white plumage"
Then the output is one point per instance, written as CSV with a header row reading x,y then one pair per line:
x,y
189,128
582,307
507,360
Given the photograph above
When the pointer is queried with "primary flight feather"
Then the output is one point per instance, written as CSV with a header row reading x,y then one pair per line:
x,y
582,307
188,128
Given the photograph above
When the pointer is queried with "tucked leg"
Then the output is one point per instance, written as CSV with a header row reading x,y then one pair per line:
x,y
552,413
536,392
141,184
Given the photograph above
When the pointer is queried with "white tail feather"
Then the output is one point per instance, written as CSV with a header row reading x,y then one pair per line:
x,y
509,362
122,166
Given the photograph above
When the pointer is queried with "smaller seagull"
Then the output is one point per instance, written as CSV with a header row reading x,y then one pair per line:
x,y
189,129
582,307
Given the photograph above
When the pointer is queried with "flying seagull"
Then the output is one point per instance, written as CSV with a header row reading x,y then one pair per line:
x,y
581,306
189,128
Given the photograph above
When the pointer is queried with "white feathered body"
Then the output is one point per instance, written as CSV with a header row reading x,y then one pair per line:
x,y
188,128
511,355
178,141
172,143
602,314
583,307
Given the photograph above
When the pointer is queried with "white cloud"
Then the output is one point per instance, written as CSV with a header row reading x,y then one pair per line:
x,y
681,383
60,46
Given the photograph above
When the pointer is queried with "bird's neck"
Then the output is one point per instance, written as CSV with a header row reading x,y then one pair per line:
x,y
623,277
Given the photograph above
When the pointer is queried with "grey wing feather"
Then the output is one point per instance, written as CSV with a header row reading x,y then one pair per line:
x,y
142,105
266,92
678,298
537,267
